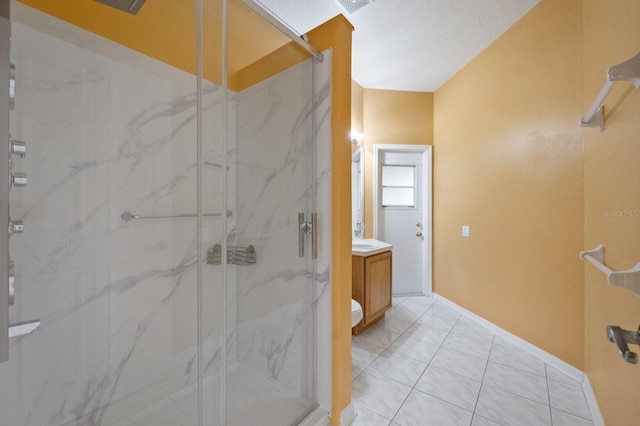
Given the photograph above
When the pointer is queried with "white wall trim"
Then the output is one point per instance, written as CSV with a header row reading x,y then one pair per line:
x,y
427,197
348,415
318,417
596,415
552,360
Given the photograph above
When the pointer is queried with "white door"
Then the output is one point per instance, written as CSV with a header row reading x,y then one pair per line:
x,y
402,205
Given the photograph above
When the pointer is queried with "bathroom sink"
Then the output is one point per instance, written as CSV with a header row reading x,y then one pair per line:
x,y
369,247
363,246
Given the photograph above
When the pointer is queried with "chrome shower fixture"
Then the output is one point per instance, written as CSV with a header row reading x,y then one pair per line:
x,y
129,6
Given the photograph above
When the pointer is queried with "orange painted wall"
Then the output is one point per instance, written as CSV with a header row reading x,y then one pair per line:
x,y
508,162
166,30
173,42
612,204
336,34
391,117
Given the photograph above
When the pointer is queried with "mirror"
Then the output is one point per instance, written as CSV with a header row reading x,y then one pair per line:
x,y
357,195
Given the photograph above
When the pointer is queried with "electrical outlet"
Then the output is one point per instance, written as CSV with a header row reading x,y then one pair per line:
x,y
465,231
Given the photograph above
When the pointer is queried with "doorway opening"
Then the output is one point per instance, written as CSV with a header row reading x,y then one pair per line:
x,y
402,213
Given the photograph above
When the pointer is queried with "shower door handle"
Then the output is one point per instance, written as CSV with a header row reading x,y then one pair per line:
x,y
308,228
314,235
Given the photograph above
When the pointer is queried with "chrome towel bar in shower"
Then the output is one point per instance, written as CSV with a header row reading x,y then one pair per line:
x,y
628,70
629,279
127,216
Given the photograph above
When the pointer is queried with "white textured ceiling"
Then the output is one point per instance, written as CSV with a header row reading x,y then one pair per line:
x,y
414,45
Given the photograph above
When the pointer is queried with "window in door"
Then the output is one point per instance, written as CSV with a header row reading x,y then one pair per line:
x,y
399,186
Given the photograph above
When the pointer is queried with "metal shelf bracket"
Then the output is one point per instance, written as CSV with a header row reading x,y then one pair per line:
x,y
629,71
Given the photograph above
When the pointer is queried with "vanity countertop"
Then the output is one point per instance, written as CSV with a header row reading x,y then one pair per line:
x,y
369,247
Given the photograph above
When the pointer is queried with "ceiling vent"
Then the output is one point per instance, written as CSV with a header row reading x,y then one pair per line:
x,y
129,6
353,6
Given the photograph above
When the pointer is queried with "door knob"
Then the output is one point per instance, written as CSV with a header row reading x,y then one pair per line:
x,y
419,234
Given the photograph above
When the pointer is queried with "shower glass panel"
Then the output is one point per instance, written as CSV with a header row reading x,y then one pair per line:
x,y
109,106
270,144
212,297
165,236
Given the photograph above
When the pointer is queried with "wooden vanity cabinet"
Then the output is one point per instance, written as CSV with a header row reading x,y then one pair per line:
x,y
371,287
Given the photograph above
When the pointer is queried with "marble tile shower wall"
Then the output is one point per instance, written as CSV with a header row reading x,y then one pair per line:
x,y
117,300
275,320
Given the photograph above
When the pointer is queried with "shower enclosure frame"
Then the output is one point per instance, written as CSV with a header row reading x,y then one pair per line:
x,y
201,213
5,37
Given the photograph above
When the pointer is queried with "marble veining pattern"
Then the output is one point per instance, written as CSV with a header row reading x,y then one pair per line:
x,y
111,295
118,300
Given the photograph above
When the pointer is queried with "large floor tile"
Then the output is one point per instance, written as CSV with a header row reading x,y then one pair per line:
x,y
363,352
460,363
560,418
366,417
379,393
481,421
399,368
479,346
377,336
559,376
444,311
393,324
414,348
421,409
439,317
397,300
505,353
404,312
569,398
471,328
427,334
509,409
518,382
419,304
453,388
462,373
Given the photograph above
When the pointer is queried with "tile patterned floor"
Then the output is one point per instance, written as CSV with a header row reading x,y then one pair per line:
x,y
425,365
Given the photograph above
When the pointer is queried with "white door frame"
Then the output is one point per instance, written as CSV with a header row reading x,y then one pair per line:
x,y
427,208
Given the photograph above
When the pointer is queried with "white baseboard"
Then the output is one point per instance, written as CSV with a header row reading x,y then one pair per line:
x,y
546,357
596,415
318,417
348,415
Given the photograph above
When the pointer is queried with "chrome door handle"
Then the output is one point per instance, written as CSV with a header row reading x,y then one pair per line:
x,y
308,228
314,235
419,234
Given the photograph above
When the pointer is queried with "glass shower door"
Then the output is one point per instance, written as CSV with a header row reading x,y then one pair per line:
x,y
271,192
164,238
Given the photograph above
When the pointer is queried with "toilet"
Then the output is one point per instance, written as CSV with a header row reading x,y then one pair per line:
x,y
356,313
